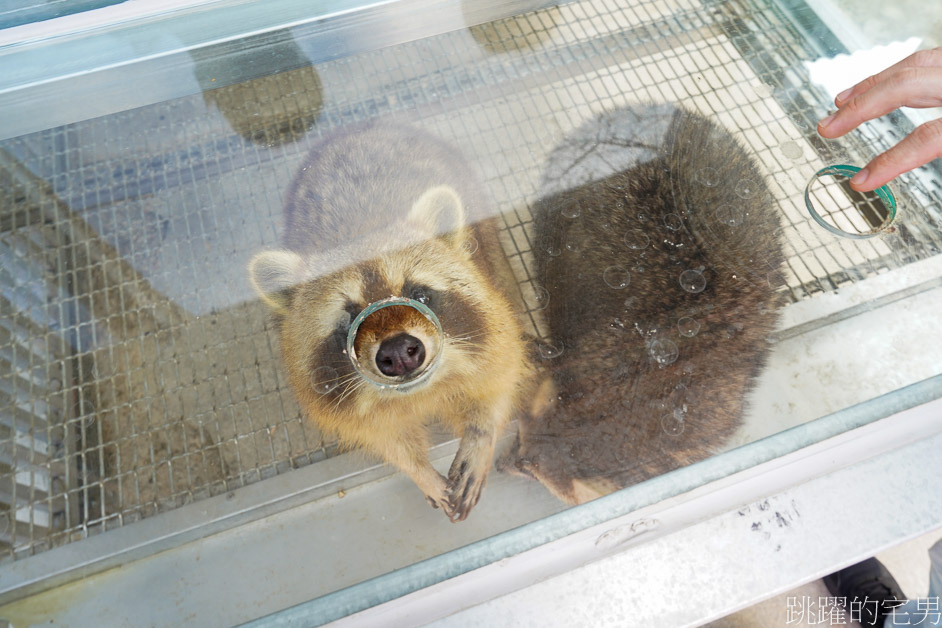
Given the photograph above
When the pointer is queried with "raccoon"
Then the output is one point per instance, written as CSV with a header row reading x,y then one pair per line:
x,y
658,244
386,211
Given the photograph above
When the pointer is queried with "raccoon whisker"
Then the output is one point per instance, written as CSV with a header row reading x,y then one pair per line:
x,y
339,379
349,390
477,333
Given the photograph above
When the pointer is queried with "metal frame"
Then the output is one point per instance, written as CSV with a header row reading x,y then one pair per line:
x,y
94,56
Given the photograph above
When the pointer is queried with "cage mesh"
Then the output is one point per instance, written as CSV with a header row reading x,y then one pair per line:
x,y
137,370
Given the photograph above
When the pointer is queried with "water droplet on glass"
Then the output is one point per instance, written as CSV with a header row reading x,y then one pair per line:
x,y
551,247
673,222
616,277
664,351
642,217
692,281
708,177
729,215
636,241
540,298
671,426
548,351
573,244
638,269
688,368
745,189
792,150
324,379
688,326
471,245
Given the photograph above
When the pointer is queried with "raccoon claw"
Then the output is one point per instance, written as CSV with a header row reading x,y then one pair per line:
x,y
440,500
465,490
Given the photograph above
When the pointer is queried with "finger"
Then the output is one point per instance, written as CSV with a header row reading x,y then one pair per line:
x,y
908,87
920,59
918,148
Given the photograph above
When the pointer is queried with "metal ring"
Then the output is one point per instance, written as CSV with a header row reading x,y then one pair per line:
x,y
378,305
842,170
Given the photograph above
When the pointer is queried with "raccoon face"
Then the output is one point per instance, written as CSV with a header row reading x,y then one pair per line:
x,y
317,299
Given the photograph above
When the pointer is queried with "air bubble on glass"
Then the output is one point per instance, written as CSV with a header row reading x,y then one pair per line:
x,y
672,426
762,90
664,351
745,189
673,222
550,246
692,281
548,350
729,215
791,150
571,210
573,244
708,177
616,277
636,241
344,320
324,379
623,455
540,299
688,326
471,245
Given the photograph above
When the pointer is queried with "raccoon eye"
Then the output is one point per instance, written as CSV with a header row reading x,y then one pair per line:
x,y
423,294
343,323
350,312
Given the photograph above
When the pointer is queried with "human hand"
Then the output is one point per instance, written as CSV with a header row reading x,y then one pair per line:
x,y
916,81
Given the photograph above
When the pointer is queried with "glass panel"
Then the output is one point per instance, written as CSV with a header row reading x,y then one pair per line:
x,y
591,216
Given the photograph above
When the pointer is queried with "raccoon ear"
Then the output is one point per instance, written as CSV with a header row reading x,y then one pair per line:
x,y
274,273
439,211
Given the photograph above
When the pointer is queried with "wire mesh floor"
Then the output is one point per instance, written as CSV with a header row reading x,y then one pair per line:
x,y
138,372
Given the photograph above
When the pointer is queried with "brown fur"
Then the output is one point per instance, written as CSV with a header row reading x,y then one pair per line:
x,y
607,417
390,211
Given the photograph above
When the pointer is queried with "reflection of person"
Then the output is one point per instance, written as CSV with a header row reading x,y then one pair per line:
x,y
916,81
874,598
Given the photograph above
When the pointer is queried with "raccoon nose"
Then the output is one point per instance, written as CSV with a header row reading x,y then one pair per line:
x,y
400,355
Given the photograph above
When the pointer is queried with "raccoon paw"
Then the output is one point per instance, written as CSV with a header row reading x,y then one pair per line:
x,y
439,502
464,488
436,494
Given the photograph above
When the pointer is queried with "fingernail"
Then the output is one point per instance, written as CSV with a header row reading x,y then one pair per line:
x,y
844,94
826,121
860,178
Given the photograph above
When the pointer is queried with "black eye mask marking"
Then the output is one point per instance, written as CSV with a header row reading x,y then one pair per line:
x,y
423,294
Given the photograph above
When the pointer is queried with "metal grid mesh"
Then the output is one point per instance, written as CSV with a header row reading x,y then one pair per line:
x,y
133,232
